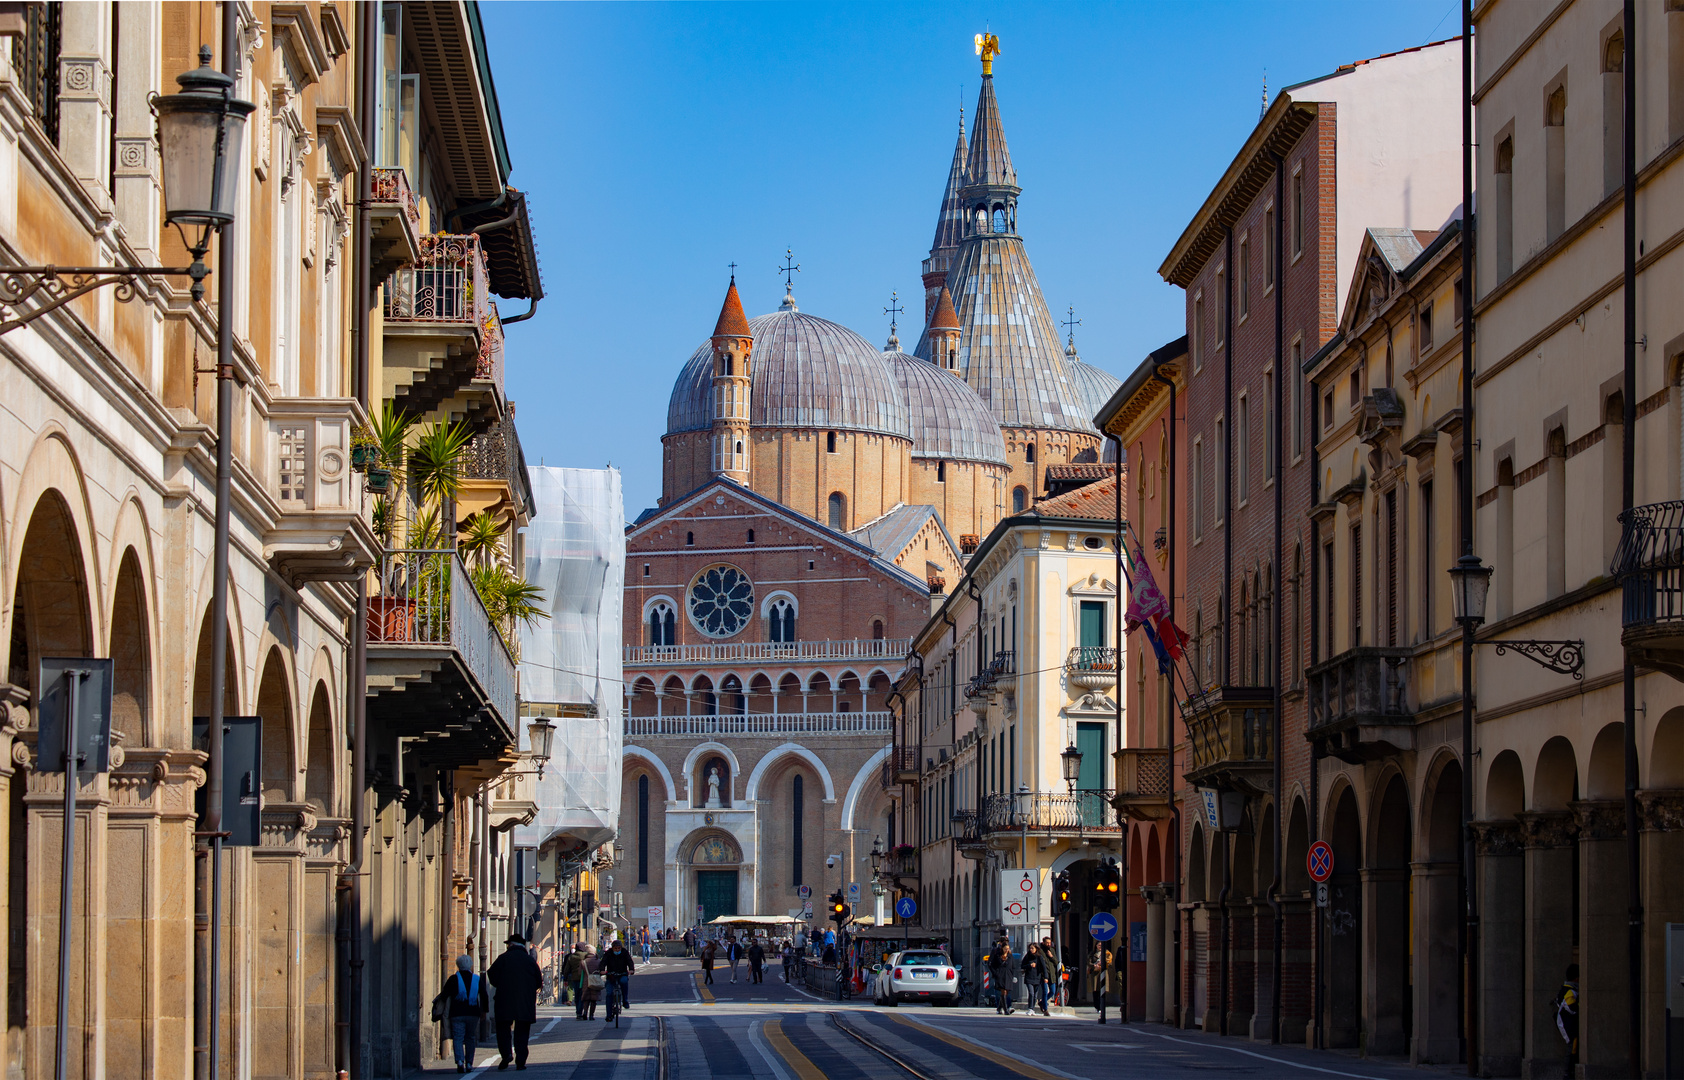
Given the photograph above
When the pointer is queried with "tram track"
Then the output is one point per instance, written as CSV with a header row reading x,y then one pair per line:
x,y
894,1059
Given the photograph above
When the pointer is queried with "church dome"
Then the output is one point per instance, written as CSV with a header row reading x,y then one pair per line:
x,y
1094,387
948,420
806,372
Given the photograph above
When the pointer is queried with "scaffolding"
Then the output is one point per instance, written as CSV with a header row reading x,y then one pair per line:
x,y
570,662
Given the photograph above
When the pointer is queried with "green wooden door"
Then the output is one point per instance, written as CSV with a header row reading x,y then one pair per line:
x,y
716,891
1090,783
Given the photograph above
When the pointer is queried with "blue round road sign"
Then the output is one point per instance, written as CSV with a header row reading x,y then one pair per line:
x,y
906,907
1103,926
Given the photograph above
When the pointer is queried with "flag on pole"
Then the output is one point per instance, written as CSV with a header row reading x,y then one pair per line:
x,y
1145,601
1164,663
1173,637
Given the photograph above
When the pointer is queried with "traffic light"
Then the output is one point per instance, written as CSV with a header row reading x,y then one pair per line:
x,y
839,909
1107,886
1061,893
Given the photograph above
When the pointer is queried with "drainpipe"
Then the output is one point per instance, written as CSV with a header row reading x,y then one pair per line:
x,y
1628,493
1117,613
455,217
1175,809
532,309
1468,932
1227,563
1279,673
1316,918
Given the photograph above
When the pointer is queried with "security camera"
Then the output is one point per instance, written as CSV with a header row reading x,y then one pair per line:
x,y
830,862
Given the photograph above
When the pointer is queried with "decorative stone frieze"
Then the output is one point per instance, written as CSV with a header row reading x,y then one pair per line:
x,y
1599,819
1548,828
1503,837
325,842
283,826
1661,810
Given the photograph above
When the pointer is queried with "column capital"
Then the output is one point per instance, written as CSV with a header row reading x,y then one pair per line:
x,y
1548,828
1502,837
1599,819
1661,810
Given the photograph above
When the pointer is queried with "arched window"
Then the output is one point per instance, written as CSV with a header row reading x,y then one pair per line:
x,y
877,629
689,539
797,807
662,625
751,536
830,442
1029,453
1020,499
780,618
732,702
838,510
643,829
941,472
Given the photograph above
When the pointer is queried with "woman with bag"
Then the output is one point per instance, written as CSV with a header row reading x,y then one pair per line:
x,y
1099,978
464,1003
709,951
573,978
594,982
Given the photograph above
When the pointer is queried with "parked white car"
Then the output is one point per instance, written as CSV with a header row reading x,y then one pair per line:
x,y
923,975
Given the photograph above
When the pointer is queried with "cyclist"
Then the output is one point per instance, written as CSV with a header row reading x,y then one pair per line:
x,y
617,964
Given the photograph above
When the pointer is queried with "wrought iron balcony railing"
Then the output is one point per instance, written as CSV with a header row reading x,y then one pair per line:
x,y
1649,564
1092,667
496,455
1082,811
391,186
425,598
448,284
900,766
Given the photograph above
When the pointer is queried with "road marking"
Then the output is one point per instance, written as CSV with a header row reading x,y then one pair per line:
x,y
803,1066
703,994
1265,1057
772,1061
1100,1048
1003,1058
550,1025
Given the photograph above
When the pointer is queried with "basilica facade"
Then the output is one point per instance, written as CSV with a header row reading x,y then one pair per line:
x,y
818,494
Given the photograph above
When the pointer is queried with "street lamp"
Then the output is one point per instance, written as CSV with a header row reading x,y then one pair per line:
x,y
1072,762
540,736
200,133
1470,585
877,854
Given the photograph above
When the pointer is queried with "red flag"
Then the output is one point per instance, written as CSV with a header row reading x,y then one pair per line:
x,y
1173,636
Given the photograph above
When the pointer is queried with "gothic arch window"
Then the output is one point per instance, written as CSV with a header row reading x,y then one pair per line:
x,y
780,618
838,510
662,625
704,701
797,803
731,700
643,829
1020,499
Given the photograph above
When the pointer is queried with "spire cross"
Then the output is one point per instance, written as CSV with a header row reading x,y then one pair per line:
x,y
894,311
1070,323
789,269
733,273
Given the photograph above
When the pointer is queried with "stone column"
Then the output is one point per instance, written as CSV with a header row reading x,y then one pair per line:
x,y
1662,866
84,126
1604,1044
1548,887
1297,966
325,846
1385,915
1501,865
1155,897
1438,966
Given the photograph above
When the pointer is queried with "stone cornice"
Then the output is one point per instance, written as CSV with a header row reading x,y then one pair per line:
x,y
1599,819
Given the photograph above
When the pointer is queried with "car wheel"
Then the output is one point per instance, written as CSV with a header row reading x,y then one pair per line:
x,y
891,1003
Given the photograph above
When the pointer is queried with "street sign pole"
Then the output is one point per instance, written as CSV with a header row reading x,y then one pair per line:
x,y
73,680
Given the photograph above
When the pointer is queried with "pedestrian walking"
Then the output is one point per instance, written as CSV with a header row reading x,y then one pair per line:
x,y
709,951
1099,978
1000,971
465,1005
733,954
1055,975
756,960
647,945
1567,1016
1035,977
788,957
801,940
594,981
690,943
517,979
573,977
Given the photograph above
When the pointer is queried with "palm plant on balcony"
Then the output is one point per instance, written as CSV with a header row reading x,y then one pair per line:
x,y
479,538
509,600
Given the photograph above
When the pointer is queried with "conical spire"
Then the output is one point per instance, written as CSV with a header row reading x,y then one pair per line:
x,y
950,222
732,322
989,163
945,318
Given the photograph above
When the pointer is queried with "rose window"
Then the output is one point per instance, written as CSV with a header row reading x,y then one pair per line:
x,y
721,601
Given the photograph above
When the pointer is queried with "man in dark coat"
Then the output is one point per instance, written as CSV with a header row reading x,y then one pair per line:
x,y
517,978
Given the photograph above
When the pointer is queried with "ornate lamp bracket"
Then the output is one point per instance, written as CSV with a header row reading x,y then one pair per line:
x,y
1562,657
56,286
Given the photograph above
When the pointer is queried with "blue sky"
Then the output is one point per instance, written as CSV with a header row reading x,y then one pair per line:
x,y
660,142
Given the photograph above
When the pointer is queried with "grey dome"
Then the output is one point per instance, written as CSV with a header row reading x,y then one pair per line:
x,y
1094,386
806,372
948,420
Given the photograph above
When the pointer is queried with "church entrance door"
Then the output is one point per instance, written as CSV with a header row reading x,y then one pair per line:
x,y
716,891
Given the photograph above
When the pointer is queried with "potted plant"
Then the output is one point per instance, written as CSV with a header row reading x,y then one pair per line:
x,y
365,448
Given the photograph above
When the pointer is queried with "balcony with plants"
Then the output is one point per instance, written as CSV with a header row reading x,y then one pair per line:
x,y
1091,667
394,215
445,605
443,338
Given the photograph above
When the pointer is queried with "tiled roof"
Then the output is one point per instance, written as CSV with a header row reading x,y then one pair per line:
x,y
950,221
944,317
1093,385
1081,470
989,163
732,322
1096,502
806,372
948,420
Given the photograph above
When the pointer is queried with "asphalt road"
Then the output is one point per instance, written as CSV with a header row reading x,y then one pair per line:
x,y
681,1029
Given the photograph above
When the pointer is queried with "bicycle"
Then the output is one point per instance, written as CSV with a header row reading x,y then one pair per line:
x,y
616,993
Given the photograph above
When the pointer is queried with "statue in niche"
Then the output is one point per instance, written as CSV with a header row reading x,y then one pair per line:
x,y
713,789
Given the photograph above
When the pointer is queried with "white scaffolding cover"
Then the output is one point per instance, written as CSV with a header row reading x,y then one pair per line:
x,y
576,553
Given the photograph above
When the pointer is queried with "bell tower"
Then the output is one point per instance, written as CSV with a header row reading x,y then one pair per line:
x,y
944,333
732,344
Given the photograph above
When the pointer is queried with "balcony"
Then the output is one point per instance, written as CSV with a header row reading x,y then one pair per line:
x,y
494,458
842,723
438,671
1144,784
901,766
1358,706
1091,667
1649,564
321,533
1230,731
741,651
968,836
1008,817
394,215
443,339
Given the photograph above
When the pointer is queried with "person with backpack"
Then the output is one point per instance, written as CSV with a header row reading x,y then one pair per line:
x,y
465,1005
573,977
1567,1015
